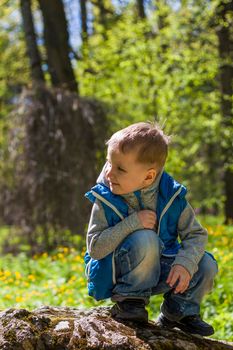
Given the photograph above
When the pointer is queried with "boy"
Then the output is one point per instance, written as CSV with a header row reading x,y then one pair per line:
x,y
132,240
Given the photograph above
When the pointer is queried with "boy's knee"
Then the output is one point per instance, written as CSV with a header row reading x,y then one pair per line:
x,y
139,255
208,267
144,243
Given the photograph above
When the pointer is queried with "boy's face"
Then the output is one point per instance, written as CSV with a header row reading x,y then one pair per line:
x,y
125,174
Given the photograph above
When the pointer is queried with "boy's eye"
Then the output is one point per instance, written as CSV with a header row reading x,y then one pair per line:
x,y
120,169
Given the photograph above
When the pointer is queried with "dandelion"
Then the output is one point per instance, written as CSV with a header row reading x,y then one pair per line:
x,y
73,278
31,278
62,288
18,299
78,258
70,300
7,273
18,275
8,296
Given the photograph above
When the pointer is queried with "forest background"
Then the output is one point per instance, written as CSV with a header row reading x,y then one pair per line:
x,y
71,73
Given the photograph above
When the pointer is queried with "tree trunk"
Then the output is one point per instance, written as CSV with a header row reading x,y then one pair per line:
x,y
30,37
56,160
225,38
71,329
83,9
57,44
141,9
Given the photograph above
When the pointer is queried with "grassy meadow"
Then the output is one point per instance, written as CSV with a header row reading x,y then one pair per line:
x,y
58,279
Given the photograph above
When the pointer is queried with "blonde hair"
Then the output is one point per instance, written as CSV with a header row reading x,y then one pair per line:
x,y
147,138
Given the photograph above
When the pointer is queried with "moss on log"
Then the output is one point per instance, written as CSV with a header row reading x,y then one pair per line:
x,y
49,328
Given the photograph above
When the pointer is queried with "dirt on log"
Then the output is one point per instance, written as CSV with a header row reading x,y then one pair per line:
x,y
61,328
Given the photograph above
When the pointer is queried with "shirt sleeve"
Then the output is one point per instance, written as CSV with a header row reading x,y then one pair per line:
x,y
193,241
102,239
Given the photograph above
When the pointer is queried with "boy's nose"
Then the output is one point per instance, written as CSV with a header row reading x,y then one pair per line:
x,y
109,170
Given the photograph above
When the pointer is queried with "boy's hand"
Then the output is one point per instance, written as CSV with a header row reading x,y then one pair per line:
x,y
180,274
148,218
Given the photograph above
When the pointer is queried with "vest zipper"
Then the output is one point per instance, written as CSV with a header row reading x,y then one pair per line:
x,y
98,196
167,206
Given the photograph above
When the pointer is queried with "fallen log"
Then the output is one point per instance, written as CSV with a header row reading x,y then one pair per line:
x,y
64,328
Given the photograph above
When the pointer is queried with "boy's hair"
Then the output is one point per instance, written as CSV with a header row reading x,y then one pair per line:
x,y
147,138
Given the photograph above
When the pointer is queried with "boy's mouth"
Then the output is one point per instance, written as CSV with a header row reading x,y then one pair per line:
x,y
113,183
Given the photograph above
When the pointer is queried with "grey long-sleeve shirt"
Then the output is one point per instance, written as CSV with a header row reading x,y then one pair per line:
x,y
102,239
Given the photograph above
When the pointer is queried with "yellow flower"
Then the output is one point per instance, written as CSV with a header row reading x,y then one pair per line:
x,y
60,256
73,278
66,250
18,299
8,296
70,300
7,273
31,278
62,288
78,258
18,275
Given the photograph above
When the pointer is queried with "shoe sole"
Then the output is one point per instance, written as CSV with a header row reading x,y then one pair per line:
x,y
184,328
128,317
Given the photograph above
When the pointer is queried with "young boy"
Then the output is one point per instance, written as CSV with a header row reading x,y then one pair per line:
x,y
132,241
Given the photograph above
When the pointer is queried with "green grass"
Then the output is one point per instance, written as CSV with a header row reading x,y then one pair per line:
x,y
59,279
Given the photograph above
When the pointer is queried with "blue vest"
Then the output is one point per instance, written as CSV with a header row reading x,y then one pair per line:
x,y
171,202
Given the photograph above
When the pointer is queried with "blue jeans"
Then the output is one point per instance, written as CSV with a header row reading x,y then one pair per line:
x,y
142,270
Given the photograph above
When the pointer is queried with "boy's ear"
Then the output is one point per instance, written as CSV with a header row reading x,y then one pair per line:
x,y
151,175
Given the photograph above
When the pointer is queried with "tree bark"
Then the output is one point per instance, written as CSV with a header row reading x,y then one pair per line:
x,y
83,9
55,161
57,44
30,37
141,9
224,32
71,329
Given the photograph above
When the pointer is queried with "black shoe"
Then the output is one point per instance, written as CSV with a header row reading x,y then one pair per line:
x,y
130,310
191,324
